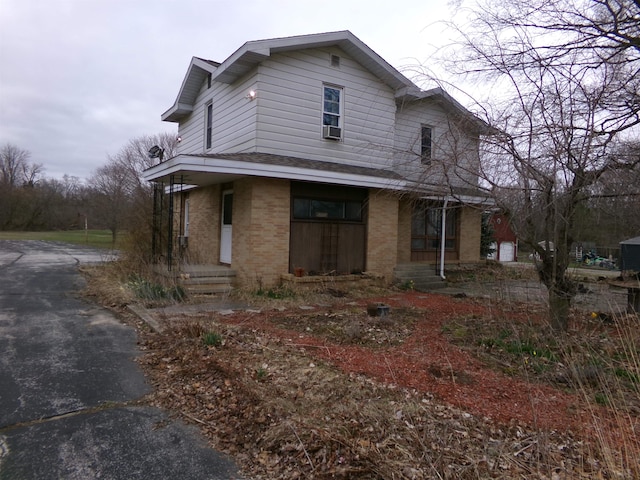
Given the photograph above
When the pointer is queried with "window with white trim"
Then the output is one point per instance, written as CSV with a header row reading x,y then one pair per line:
x,y
208,125
186,215
332,106
426,138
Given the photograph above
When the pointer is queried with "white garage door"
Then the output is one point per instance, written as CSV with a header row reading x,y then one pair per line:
x,y
507,252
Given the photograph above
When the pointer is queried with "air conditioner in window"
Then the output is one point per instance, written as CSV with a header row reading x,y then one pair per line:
x,y
333,133
183,241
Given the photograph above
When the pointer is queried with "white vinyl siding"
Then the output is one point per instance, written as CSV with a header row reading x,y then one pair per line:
x,y
453,155
233,119
290,99
285,118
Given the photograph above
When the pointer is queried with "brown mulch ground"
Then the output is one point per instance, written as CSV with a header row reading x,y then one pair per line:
x,y
323,390
427,361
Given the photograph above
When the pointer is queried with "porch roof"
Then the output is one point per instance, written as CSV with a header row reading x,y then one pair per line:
x,y
209,169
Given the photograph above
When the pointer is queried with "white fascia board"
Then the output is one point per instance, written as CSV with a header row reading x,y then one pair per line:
x,y
473,200
464,199
179,107
176,112
179,188
233,167
240,62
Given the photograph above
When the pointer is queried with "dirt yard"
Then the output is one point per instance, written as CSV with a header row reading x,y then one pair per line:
x,y
311,386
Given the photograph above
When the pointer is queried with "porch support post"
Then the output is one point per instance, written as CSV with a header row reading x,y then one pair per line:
x,y
443,235
170,226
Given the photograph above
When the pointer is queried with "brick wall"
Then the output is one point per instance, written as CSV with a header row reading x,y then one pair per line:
x,y
469,242
404,230
470,224
261,221
382,233
204,228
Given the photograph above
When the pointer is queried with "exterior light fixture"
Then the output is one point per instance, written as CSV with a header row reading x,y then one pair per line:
x,y
251,95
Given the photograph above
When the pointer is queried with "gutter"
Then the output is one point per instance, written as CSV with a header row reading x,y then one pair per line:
x,y
443,235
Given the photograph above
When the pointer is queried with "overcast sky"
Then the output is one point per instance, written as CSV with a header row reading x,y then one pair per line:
x,y
80,78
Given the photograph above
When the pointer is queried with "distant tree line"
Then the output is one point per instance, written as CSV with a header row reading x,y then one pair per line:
x,y
114,197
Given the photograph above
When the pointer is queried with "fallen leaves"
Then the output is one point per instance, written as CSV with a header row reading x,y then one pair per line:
x,y
292,394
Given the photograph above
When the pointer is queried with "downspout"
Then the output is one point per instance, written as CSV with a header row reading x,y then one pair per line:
x,y
443,235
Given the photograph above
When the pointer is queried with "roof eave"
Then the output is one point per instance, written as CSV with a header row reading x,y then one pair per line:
x,y
177,112
251,53
197,72
413,94
180,164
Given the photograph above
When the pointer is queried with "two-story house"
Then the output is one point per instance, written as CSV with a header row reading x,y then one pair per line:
x,y
312,153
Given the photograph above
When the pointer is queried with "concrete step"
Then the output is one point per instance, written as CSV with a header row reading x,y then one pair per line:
x,y
429,286
207,279
424,277
196,271
209,289
416,268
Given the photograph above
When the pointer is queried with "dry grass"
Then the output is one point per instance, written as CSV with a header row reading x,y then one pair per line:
x,y
283,412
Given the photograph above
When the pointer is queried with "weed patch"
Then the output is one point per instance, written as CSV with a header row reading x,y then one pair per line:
x,y
590,359
212,339
147,290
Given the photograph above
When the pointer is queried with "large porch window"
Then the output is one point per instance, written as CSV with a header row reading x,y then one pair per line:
x,y
310,208
426,227
328,229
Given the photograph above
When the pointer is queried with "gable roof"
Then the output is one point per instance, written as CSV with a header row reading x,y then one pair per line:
x,y
450,104
250,54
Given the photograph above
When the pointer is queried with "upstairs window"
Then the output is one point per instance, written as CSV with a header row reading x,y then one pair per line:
x,y
332,106
208,125
425,144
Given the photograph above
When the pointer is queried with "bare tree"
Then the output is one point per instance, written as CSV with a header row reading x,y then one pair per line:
x,y
15,168
18,177
567,73
121,198
110,198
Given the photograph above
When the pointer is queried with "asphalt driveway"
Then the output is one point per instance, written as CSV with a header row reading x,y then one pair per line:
x,y
69,385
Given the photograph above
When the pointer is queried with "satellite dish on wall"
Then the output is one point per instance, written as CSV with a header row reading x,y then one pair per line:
x,y
156,152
